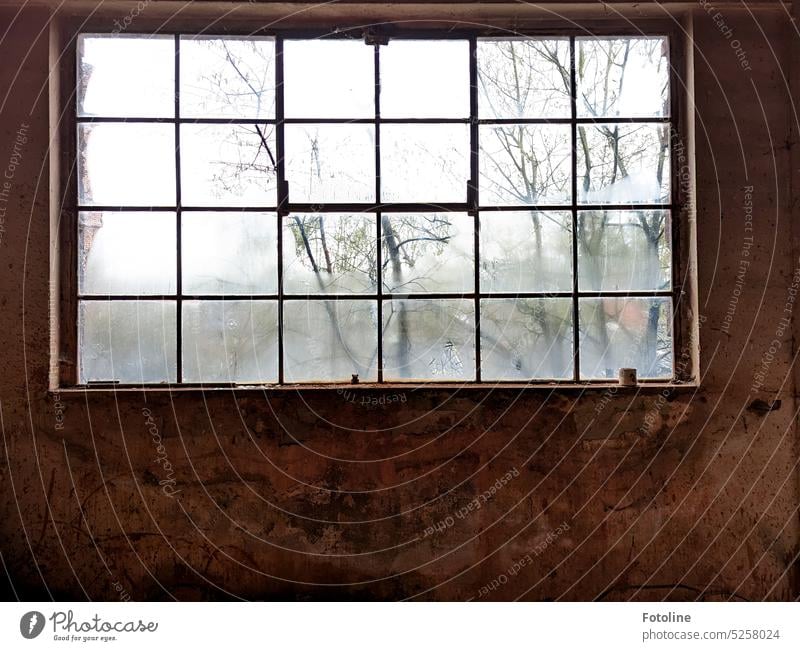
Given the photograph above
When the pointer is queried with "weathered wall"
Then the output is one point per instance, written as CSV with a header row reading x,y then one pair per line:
x,y
314,495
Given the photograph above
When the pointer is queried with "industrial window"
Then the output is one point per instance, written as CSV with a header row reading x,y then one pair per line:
x,y
276,210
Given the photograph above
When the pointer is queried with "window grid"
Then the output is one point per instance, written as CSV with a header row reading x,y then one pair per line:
x,y
471,206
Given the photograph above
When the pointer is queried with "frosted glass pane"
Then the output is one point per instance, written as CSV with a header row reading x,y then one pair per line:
x,y
125,75
132,342
425,79
620,251
626,333
329,253
126,164
526,339
330,163
229,253
424,163
230,341
227,77
524,164
527,251
523,78
228,165
623,163
329,79
428,252
429,339
126,253
329,341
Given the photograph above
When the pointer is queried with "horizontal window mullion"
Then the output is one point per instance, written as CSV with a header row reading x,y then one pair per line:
x,y
94,119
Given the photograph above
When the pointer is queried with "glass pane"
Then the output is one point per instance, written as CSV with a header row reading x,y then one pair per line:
x,y
428,252
126,253
526,251
623,77
132,342
330,341
620,251
123,75
329,254
329,79
523,78
229,253
330,163
228,165
525,339
126,164
424,163
230,341
525,164
227,77
626,333
429,339
623,163
425,79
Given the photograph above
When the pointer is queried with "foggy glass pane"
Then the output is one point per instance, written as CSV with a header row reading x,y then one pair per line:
x,y
126,253
624,250
425,79
230,341
525,339
132,342
623,163
622,77
229,253
626,333
126,164
523,78
329,253
424,163
524,164
526,251
428,252
329,341
126,75
329,79
228,165
429,339
227,77
330,163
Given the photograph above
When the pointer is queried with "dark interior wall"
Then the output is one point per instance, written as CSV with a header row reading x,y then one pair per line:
x,y
428,494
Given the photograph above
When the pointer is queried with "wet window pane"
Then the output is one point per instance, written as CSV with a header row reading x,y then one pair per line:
x,y
329,253
619,251
329,341
126,164
229,253
523,78
132,342
227,77
525,339
528,251
424,163
626,333
126,253
525,164
622,77
623,163
429,339
425,79
330,163
428,252
123,75
228,165
230,341
329,79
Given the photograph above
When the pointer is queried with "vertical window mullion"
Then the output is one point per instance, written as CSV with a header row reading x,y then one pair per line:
x,y
178,218
378,214
576,361
282,199
473,197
